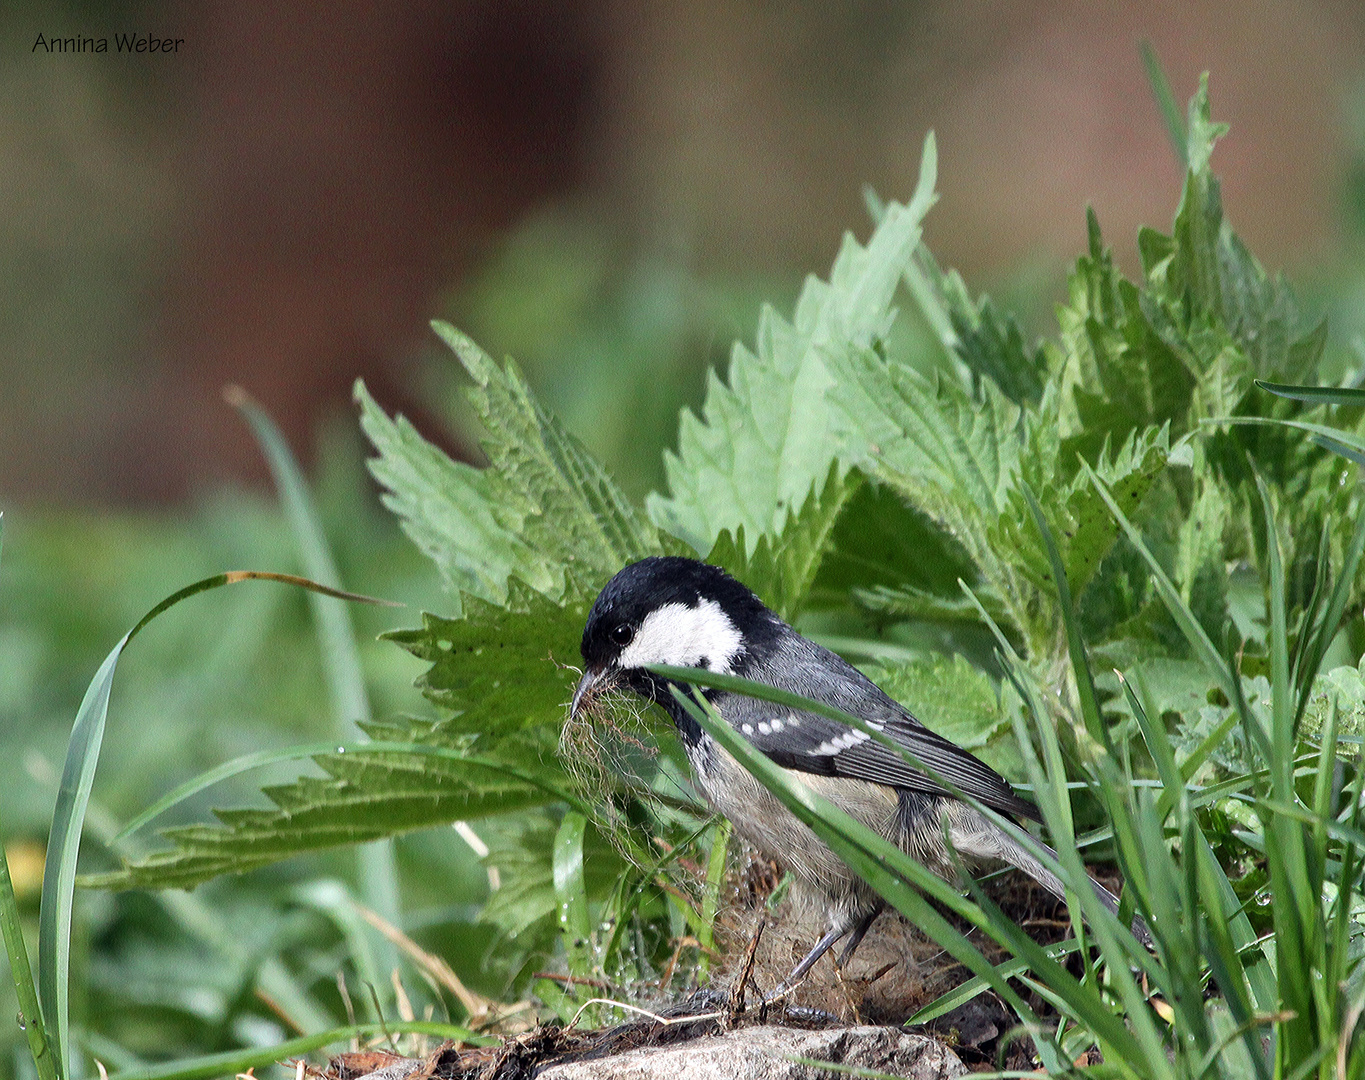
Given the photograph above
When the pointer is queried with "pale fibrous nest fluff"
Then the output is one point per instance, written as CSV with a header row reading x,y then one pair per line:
x,y
610,748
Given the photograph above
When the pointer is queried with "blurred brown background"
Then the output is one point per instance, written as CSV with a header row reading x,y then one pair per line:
x,y
288,199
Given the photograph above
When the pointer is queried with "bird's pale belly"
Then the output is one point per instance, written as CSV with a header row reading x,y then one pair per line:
x,y
763,821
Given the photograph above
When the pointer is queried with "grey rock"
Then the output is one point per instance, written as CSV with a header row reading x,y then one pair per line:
x,y
399,1070
764,1053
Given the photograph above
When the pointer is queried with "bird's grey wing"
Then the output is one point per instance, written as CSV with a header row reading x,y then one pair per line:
x,y
811,743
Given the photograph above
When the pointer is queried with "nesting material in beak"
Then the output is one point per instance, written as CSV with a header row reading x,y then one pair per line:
x,y
588,686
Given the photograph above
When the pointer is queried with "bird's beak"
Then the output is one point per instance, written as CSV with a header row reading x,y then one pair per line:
x,y
591,678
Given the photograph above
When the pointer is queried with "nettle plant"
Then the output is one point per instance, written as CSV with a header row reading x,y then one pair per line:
x,y
981,528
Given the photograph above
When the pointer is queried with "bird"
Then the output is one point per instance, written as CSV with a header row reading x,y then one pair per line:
x,y
680,611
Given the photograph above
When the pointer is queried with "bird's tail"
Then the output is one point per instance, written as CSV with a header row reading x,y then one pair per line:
x,y
992,842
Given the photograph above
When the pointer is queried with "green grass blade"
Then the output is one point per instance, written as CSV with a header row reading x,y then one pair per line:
x,y
232,1062
960,995
1336,608
1296,912
1158,745
571,893
1282,718
1338,448
73,797
1316,395
715,882
1054,792
30,1013
1337,436
336,636
1310,617
59,873
1165,103
340,656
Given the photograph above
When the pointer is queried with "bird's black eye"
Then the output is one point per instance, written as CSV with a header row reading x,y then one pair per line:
x,y
621,634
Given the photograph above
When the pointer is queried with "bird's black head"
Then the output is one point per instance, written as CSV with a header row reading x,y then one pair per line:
x,y
670,610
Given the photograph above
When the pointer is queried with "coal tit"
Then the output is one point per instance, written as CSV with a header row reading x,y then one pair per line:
x,y
670,610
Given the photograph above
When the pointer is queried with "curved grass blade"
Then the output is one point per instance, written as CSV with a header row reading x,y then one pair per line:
x,y
73,796
960,995
30,1014
232,1062
229,769
336,637
715,881
1346,443
1326,628
1316,395
340,657
1339,448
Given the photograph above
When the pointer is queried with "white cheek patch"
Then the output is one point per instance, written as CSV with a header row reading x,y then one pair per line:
x,y
684,636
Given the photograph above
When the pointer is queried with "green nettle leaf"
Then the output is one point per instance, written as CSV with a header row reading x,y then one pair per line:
x,y
954,458
364,796
568,506
1121,374
880,542
499,671
446,508
988,342
768,435
544,510
1084,528
1210,291
782,569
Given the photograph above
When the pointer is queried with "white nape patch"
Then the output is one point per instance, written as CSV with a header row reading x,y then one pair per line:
x,y
684,636
837,745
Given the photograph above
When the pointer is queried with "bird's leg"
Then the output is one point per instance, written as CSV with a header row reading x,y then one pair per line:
x,y
856,930
821,947
859,932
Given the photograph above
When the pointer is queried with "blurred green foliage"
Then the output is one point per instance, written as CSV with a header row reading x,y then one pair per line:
x,y
614,343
